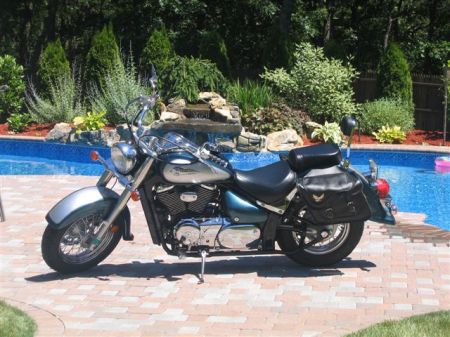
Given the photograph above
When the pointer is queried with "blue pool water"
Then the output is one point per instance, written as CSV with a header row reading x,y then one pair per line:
x,y
415,186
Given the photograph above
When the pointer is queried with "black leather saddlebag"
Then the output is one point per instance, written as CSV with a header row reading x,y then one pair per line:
x,y
334,195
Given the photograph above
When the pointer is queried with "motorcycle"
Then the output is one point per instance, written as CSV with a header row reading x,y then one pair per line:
x,y
310,205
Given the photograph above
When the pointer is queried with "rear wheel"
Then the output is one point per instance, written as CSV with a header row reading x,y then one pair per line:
x,y
70,249
323,244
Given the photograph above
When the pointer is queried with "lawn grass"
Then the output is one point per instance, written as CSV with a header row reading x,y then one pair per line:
x,y
15,323
435,324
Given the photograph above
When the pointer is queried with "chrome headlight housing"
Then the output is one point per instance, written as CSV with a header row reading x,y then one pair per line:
x,y
123,156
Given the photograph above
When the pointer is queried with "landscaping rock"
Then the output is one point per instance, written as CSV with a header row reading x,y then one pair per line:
x,y
176,105
283,140
224,113
250,142
123,132
169,116
60,133
207,96
217,103
235,111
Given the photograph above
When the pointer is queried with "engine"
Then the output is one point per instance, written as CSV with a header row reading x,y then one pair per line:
x,y
196,219
188,201
217,233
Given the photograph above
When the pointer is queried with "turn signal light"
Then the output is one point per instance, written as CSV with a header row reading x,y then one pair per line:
x,y
135,196
94,155
382,188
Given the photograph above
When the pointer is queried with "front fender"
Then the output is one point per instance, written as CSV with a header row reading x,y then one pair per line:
x,y
80,202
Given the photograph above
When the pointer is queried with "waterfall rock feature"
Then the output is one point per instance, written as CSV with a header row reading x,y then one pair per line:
x,y
212,119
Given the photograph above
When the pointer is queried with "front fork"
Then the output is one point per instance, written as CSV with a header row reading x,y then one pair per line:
x,y
130,187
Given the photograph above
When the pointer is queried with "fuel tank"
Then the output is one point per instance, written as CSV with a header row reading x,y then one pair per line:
x,y
182,168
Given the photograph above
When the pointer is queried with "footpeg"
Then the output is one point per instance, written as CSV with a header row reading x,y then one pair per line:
x,y
203,254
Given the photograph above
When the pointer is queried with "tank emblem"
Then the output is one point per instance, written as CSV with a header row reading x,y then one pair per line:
x,y
318,198
181,171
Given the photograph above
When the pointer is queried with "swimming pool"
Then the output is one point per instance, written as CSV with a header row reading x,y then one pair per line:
x,y
415,186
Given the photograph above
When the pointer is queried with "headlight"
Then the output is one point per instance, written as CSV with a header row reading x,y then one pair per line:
x,y
123,156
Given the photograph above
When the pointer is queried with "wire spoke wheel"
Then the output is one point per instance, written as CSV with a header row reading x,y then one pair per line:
x,y
337,235
75,244
323,245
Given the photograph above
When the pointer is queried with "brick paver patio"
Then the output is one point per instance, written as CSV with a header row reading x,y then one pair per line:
x,y
140,291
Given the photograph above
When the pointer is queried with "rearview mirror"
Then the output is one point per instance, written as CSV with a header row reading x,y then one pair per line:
x,y
348,124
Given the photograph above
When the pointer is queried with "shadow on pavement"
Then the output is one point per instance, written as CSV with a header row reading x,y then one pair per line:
x,y
263,266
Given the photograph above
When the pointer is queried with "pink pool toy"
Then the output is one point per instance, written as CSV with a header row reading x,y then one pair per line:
x,y
442,164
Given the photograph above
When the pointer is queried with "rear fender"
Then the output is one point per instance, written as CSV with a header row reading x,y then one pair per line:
x,y
380,212
80,202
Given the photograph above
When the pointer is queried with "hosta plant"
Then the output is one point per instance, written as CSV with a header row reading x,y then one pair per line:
x,y
328,132
92,121
390,135
17,122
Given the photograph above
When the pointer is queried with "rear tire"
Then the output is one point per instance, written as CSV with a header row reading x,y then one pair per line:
x,y
309,257
60,258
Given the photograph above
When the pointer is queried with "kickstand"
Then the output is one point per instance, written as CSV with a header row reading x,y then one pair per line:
x,y
203,254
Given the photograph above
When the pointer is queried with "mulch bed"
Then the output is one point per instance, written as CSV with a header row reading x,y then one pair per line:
x,y
34,130
415,137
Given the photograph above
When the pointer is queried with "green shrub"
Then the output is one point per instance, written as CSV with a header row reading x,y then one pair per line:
x,y
328,133
390,135
63,102
102,56
11,74
157,51
93,121
122,84
393,76
53,64
249,95
212,47
385,111
185,77
321,86
17,122
276,117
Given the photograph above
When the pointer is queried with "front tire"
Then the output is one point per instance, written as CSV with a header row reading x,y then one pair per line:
x,y
67,250
317,255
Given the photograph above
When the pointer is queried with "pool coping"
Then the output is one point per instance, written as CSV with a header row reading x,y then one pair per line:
x,y
386,147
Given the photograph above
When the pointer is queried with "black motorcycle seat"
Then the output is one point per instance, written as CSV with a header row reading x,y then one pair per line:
x,y
269,184
315,156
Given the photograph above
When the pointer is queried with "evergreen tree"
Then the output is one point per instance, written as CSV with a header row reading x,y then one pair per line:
x,y
102,57
213,48
53,64
158,51
393,76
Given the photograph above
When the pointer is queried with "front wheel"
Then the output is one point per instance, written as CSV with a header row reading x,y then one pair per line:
x,y
69,250
341,241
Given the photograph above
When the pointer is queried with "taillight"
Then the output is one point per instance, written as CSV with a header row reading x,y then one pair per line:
x,y
382,188
94,155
